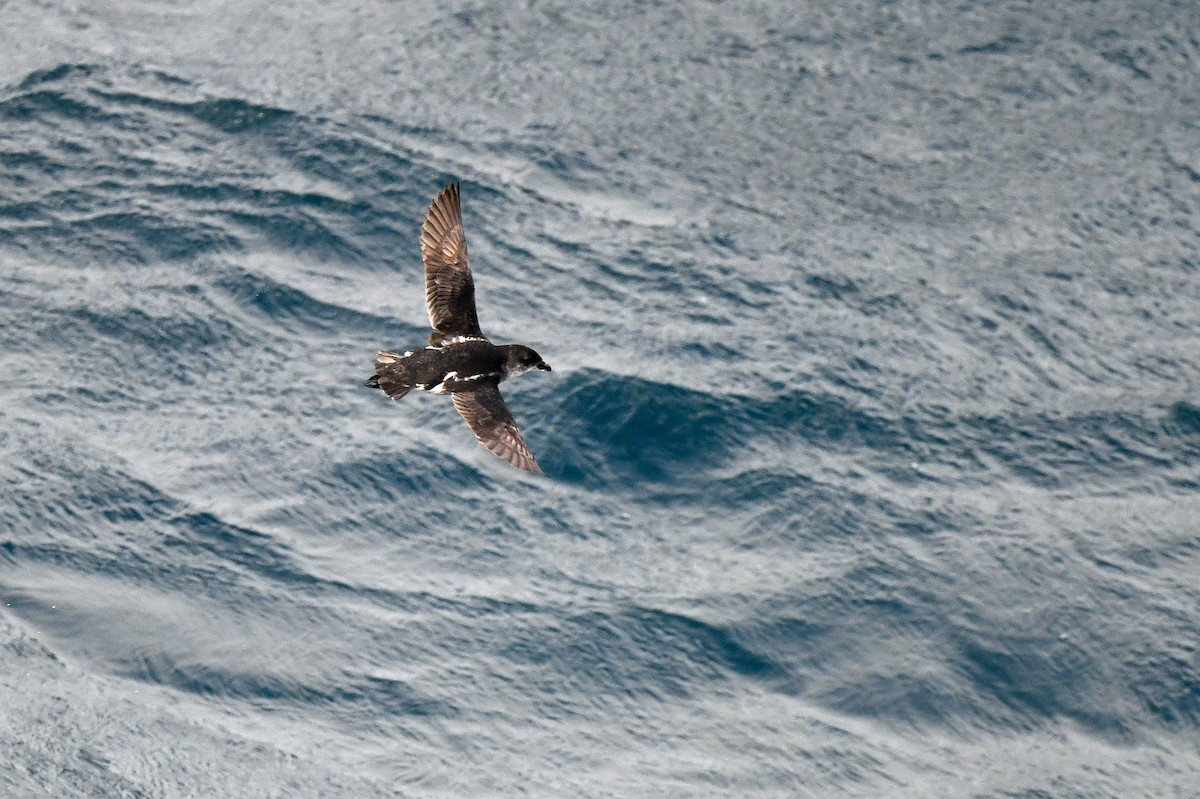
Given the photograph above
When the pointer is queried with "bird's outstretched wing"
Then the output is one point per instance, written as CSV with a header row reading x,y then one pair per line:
x,y
449,289
494,426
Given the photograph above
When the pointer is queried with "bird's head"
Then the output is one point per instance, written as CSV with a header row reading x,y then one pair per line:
x,y
522,359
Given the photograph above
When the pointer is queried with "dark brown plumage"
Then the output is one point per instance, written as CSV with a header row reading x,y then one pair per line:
x,y
449,287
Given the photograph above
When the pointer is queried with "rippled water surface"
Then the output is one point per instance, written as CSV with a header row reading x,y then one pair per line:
x,y
872,441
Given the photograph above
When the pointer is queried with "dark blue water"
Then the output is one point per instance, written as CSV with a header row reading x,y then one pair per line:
x,y
872,441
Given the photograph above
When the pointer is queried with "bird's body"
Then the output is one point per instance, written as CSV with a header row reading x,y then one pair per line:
x,y
459,360
465,365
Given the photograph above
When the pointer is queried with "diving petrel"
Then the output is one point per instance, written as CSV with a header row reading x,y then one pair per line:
x,y
459,359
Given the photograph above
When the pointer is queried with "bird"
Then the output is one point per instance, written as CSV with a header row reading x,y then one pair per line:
x,y
459,359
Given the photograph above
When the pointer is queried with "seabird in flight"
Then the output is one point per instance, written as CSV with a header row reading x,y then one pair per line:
x,y
460,360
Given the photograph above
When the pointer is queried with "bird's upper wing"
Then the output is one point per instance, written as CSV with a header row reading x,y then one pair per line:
x,y
494,426
449,289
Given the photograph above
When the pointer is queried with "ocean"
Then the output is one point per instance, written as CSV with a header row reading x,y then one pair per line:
x,y
872,441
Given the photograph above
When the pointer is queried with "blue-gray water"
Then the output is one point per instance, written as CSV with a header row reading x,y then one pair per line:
x,y
873,436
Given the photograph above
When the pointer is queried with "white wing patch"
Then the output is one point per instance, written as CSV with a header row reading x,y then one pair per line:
x,y
446,342
440,388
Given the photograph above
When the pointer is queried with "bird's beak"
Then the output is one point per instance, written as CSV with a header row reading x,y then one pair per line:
x,y
545,366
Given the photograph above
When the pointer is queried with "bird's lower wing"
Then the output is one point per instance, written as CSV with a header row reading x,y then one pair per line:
x,y
494,426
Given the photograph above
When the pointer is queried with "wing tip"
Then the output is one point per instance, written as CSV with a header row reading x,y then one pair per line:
x,y
450,196
523,461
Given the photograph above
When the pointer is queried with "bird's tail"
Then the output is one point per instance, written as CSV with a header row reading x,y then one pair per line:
x,y
391,375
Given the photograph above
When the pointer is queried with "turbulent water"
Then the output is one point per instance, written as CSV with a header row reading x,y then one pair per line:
x,y
872,440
